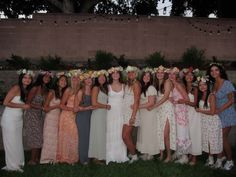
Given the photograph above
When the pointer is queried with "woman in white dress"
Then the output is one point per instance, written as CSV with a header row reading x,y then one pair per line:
x,y
165,113
212,135
116,150
97,140
148,139
12,121
130,110
194,117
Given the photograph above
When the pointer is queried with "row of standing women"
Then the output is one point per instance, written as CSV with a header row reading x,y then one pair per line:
x,y
86,120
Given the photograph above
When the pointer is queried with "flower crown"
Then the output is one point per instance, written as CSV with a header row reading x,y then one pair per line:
x,y
203,79
25,71
216,63
58,75
172,70
191,70
86,75
46,73
75,72
113,69
131,69
147,69
160,68
100,72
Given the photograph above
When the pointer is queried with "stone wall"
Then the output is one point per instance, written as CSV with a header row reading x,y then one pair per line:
x,y
78,37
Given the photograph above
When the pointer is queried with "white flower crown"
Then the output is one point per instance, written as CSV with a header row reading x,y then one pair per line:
x,y
113,69
131,69
46,73
147,69
74,72
160,68
203,79
100,72
25,71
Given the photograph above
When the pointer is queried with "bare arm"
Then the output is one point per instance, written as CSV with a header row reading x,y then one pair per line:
x,y
137,91
14,91
182,91
95,102
227,104
64,100
47,106
193,104
212,101
151,101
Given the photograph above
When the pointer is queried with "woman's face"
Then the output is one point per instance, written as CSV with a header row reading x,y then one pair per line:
x,y
115,75
46,78
131,75
172,76
189,77
146,78
160,75
101,79
215,72
88,82
202,86
26,80
75,80
62,83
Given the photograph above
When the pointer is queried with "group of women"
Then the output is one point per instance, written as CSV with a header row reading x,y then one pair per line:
x,y
93,116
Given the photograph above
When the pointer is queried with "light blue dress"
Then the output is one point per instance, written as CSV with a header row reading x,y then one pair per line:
x,y
228,116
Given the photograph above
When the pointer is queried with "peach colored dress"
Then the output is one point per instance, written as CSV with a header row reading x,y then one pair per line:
x,y
50,134
68,136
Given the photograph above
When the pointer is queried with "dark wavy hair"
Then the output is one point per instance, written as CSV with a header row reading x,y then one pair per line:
x,y
111,80
104,87
185,82
207,95
223,74
143,86
24,91
56,89
161,88
39,82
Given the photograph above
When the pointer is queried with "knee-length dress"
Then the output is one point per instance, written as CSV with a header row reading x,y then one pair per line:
x,y
166,112
183,142
212,137
50,133
67,149
97,140
83,125
116,150
148,139
127,103
33,124
12,125
195,130
228,116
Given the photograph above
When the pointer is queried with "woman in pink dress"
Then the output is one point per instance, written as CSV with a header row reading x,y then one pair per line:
x,y
52,109
179,94
68,134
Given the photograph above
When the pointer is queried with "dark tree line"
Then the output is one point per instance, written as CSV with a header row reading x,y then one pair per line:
x,y
200,8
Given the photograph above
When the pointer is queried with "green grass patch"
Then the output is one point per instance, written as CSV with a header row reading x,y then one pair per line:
x,y
137,169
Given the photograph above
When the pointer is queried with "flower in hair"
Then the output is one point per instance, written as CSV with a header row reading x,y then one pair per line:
x,y
46,73
75,72
131,69
58,75
160,68
150,70
86,75
100,72
25,71
113,69
203,79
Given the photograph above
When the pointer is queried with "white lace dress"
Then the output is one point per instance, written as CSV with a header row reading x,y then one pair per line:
x,y
211,132
12,125
194,128
116,150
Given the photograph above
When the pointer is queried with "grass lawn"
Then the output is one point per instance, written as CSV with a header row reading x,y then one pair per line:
x,y
137,169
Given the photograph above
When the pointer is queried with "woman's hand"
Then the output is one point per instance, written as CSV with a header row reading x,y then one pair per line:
x,y
131,120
